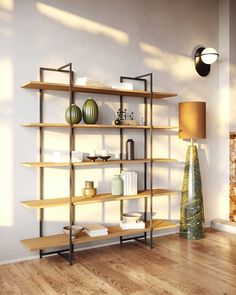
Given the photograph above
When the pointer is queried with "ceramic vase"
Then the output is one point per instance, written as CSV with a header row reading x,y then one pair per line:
x,y
117,185
90,111
76,114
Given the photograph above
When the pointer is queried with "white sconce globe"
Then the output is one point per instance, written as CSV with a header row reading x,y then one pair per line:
x,y
209,55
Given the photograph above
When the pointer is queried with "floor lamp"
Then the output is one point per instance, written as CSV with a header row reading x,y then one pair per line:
x,y
192,125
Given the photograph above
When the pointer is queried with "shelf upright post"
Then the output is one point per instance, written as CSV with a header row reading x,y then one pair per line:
x,y
121,157
71,166
151,160
72,172
150,156
41,157
139,78
145,156
41,154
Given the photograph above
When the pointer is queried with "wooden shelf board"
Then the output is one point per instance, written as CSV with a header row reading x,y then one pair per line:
x,y
47,203
91,126
97,90
160,160
90,163
36,204
61,240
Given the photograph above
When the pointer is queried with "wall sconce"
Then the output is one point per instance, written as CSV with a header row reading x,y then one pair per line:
x,y
203,58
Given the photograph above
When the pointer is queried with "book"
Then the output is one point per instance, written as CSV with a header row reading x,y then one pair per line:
x,y
123,85
135,183
64,156
95,230
95,227
132,225
97,234
124,176
85,81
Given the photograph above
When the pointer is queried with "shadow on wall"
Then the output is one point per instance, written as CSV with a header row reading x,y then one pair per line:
x,y
74,21
153,57
104,39
180,67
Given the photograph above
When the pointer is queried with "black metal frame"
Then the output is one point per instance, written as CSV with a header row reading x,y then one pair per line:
x,y
41,155
142,78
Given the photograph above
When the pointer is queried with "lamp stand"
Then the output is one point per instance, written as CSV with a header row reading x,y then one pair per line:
x,y
192,213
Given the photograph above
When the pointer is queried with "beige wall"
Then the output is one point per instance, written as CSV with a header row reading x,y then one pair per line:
x,y
232,66
103,39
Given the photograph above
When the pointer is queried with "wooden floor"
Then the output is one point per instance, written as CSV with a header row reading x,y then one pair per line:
x,y
175,266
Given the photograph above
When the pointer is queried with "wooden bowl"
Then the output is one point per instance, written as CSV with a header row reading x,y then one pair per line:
x,y
89,192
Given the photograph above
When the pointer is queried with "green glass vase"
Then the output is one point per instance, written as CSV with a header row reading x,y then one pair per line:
x,y
192,213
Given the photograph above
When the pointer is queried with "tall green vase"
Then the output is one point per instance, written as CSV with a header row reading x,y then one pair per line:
x,y
192,213
90,111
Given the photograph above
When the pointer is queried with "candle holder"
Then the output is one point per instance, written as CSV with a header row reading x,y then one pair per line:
x,y
92,158
104,158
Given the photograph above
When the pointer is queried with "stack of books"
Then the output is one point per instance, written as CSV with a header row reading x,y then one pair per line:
x,y
130,183
85,81
95,230
77,156
123,86
60,156
132,225
63,156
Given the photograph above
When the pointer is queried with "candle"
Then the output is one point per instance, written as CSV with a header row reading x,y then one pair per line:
x,y
56,156
77,156
104,153
92,153
117,156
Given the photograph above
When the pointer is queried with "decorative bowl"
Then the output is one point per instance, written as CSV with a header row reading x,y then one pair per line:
x,y
89,192
131,217
104,158
76,230
92,158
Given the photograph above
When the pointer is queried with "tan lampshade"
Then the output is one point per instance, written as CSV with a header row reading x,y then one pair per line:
x,y
192,119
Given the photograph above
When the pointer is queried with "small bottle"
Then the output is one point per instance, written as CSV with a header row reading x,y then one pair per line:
x,y
125,114
130,149
117,185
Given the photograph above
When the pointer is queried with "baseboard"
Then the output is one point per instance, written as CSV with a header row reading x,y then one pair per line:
x,y
19,259
224,225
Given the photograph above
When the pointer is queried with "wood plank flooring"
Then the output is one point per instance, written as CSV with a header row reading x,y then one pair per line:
x,y
174,266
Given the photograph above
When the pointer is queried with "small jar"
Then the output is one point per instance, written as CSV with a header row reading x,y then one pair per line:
x,y
117,185
89,184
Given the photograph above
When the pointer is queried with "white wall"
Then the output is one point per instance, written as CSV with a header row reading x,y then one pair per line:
x,y
232,66
223,111
103,39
